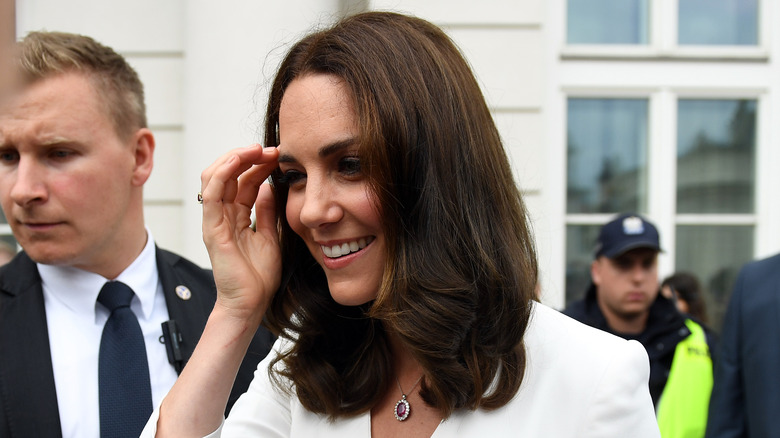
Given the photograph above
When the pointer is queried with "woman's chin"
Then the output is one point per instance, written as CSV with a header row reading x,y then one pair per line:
x,y
351,297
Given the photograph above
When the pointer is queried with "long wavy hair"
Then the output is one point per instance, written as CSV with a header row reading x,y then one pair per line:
x,y
461,265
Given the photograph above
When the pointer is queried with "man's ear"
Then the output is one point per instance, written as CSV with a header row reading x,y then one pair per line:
x,y
143,144
595,271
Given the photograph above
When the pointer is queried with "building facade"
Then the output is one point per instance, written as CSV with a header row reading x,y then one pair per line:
x,y
663,107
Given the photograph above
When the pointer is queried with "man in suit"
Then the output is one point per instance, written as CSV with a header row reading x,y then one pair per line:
x,y
75,152
746,392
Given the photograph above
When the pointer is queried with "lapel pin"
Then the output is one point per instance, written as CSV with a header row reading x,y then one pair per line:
x,y
183,292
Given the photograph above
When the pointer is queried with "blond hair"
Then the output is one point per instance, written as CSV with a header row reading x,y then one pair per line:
x,y
45,54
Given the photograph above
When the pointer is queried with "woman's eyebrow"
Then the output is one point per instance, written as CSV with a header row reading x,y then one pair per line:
x,y
334,147
328,149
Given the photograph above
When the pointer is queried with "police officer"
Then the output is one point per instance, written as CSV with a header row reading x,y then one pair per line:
x,y
623,299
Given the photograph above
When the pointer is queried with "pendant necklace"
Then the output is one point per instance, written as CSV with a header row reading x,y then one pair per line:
x,y
402,408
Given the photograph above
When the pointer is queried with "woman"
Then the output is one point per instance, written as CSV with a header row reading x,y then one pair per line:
x,y
403,260
684,289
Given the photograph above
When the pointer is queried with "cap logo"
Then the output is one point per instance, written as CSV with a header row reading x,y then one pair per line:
x,y
633,226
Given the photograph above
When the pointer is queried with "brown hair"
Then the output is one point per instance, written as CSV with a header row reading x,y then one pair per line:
x,y
461,264
688,288
46,54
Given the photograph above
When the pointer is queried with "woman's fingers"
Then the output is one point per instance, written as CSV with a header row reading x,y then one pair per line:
x,y
247,157
235,178
249,182
265,210
245,153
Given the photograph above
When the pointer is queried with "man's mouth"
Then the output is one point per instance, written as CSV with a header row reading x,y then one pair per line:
x,y
345,248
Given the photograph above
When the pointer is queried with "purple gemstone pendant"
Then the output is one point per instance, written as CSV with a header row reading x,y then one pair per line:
x,y
402,409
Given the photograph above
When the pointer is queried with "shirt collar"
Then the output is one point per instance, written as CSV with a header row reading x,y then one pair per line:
x,y
78,289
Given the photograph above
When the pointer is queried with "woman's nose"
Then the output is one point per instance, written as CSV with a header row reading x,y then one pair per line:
x,y
320,204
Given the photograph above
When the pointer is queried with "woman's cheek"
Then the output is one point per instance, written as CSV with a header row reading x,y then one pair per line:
x,y
293,210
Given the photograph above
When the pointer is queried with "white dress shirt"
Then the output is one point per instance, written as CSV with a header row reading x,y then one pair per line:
x,y
75,322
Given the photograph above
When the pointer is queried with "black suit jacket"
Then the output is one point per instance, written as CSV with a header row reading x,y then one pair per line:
x,y
28,400
745,399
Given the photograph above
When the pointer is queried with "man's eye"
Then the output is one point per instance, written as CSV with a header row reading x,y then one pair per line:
x,y
350,166
9,156
60,153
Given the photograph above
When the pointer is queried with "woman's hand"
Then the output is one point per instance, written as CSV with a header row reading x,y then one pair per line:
x,y
246,262
247,270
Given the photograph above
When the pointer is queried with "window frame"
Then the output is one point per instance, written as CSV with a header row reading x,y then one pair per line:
x,y
662,170
663,36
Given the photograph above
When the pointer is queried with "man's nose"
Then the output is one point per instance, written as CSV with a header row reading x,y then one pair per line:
x,y
638,271
28,184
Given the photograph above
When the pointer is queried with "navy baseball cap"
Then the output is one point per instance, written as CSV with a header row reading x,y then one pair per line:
x,y
624,233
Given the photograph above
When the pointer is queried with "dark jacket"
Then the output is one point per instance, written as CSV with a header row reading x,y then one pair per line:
x,y
745,398
665,328
28,402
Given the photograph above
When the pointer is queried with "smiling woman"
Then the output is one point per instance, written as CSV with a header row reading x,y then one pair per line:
x,y
394,257
329,204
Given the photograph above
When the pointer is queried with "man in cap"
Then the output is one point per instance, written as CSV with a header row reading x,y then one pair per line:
x,y
623,299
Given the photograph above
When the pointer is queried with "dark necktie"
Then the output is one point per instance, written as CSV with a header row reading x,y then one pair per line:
x,y
123,371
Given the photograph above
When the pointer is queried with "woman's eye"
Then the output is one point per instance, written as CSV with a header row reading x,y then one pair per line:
x,y
290,177
350,166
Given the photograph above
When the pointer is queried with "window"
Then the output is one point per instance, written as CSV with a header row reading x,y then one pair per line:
x,y
607,22
580,240
716,29
7,241
709,213
606,155
606,168
715,156
721,22
714,253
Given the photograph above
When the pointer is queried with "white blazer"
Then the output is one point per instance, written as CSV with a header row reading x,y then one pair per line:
x,y
579,382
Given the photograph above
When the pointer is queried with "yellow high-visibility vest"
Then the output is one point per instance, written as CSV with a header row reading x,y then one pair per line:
x,y
682,409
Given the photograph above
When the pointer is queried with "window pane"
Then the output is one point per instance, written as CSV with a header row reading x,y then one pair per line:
x,y
606,155
607,21
7,248
716,156
718,22
7,242
714,253
580,242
